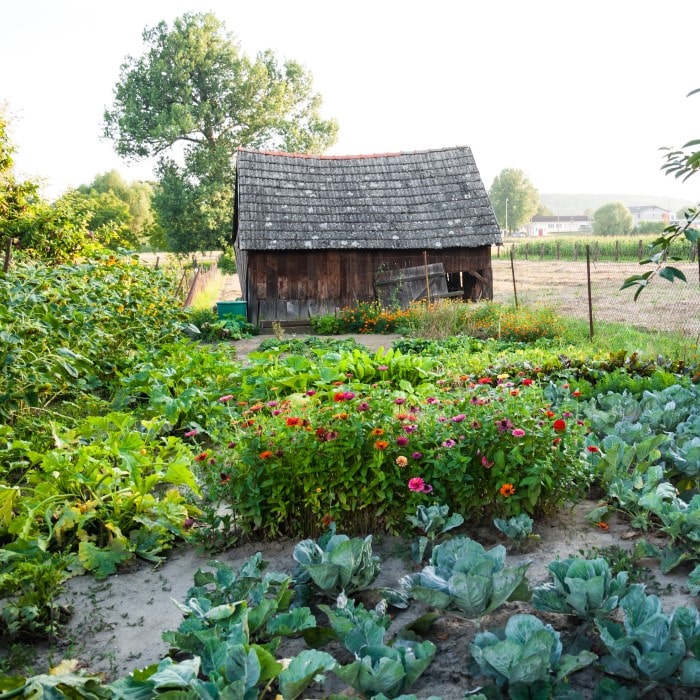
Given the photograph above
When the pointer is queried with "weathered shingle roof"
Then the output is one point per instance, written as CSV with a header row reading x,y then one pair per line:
x,y
427,199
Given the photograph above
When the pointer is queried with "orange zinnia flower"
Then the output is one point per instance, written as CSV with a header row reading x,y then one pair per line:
x,y
377,432
381,445
294,420
265,454
507,490
603,525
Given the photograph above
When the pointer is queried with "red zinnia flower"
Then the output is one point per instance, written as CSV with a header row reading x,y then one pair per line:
x,y
294,420
201,456
592,448
559,426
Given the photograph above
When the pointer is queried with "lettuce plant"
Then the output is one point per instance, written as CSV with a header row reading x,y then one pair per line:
x,y
526,657
582,587
336,563
650,645
462,575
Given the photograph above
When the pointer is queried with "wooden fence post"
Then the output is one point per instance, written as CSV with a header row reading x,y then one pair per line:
x,y
512,271
590,298
8,254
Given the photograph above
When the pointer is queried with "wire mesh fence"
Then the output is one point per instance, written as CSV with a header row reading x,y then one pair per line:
x,y
590,290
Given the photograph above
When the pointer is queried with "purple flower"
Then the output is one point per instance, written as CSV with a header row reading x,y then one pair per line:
x,y
449,443
272,404
402,441
231,445
427,488
348,395
504,424
518,432
458,418
432,399
417,455
410,428
442,419
311,392
398,401
276,412
363,406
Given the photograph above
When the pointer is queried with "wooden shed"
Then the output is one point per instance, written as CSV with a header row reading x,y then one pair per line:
x,y
312,232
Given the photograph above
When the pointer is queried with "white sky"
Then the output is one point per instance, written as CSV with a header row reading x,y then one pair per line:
x,y
579,95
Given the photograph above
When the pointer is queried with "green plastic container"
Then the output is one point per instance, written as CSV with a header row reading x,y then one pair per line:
x,y
232,308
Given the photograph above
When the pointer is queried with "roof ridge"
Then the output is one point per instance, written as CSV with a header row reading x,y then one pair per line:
x,y
349,157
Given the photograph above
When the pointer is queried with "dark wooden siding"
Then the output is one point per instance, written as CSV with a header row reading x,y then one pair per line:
x,y
291,285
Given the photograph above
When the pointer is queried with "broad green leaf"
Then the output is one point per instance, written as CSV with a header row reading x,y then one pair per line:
x,y
302,670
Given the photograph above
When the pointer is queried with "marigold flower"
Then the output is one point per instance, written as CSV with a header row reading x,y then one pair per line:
x,y
507,490
603,525
559,426
401,461
201,456
381,445
377,432
518,432
265,454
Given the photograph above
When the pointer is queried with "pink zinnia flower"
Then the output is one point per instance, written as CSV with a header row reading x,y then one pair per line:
x,y
416,484
458,418
402,441
224,399
191,433
399,401
518,432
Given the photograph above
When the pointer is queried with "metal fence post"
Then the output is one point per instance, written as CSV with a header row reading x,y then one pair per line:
x,y
590,298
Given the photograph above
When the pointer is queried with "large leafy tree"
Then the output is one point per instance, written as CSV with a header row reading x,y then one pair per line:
x,y
136,224
514,199
192,99
613,219
682,163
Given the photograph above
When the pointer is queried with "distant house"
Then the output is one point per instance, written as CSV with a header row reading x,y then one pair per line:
x,y
544,225
650,212
311,232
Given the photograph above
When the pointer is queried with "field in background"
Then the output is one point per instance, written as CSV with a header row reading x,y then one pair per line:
x,y
563,285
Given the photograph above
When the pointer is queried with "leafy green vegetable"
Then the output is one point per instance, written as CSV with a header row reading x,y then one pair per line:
x,y
462,575
337,564
528,653
582,587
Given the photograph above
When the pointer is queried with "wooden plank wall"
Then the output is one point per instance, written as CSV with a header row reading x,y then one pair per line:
x,y
286,285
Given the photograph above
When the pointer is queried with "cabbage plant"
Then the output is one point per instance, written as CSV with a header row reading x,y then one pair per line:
x,y
433,521
337,563
582,587
527,656
651,645
378,667
462,575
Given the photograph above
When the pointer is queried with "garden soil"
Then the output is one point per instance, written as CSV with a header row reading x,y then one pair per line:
x,y
116,624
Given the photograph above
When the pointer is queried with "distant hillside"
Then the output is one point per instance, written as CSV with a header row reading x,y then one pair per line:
x,y
573,204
